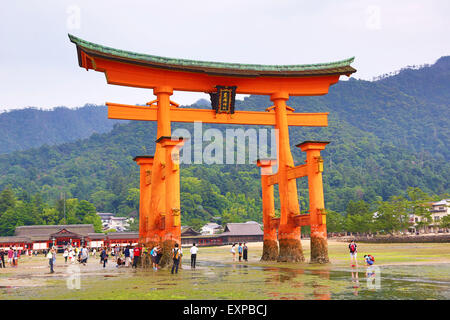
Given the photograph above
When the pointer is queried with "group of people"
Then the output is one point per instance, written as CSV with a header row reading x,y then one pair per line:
x,y
124,256
73,254
242,251
353,248
12,254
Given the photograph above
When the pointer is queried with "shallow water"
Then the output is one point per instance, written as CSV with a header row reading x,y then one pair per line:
x,y
215,280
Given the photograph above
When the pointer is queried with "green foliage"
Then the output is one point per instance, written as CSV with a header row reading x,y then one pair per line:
x,y
392,215
445,222
32,210
30,127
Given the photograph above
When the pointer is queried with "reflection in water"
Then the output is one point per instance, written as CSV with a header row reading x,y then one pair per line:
x,y
321,291
355,281
281,276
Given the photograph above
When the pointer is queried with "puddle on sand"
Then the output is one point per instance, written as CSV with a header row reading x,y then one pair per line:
x,y
238,281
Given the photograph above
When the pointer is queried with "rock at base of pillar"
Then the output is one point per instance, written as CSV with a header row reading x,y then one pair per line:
x,y
146,260
290,251
270,250
319,250
166,259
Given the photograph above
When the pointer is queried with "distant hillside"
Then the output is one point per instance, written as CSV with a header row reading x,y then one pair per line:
x,y
385,135
29,128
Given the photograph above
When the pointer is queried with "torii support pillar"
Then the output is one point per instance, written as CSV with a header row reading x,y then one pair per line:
x,y
145,167
171,175
314,163
270,246
158,194
288,231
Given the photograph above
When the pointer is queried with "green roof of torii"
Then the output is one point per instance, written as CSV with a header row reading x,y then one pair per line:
x,y
338,67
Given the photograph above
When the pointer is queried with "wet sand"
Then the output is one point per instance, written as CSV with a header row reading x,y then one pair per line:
x,y
408,271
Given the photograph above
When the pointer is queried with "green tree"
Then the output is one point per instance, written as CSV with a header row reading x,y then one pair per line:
x,y
420,204
93,218
335,222
445,222
392,215
7,200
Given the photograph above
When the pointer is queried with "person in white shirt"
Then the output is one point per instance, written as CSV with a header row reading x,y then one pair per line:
x,y
51,256
233,251
71,255
194,251
65,255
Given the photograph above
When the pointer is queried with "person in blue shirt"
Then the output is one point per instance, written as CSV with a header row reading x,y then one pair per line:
x,y
126,253
369,259
240,251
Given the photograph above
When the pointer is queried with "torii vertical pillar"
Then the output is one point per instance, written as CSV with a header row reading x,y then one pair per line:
x,y
270,245
288,231
171,233
145,167
314,162
158,194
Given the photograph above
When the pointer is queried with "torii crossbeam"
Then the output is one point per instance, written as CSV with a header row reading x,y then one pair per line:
x,y
159,211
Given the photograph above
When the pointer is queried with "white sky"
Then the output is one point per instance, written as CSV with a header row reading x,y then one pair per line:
x,y
38,63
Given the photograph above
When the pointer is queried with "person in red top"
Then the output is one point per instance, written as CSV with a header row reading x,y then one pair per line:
x,y
136,256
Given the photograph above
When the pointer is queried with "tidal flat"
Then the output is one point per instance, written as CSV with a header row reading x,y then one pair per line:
x,y
403,271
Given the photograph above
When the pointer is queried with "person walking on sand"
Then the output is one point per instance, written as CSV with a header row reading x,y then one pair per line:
x,y
154,255
353,253
240,251
51,256
65,255
104,257
84,254
10,256
136,255
158,256
176,256
2,257
131,253
194,251
15,258
233,251
116,251
245,252
126,253
71,255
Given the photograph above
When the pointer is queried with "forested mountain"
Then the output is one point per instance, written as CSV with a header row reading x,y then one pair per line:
x,y
386,136
29,128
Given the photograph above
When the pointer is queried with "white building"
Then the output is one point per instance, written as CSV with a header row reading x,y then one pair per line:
x,y
210,228
438,210
109,221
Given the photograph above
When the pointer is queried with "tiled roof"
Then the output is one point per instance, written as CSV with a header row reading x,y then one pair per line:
x,y
14,239
338,67
47,230
123,235
242,229
96,236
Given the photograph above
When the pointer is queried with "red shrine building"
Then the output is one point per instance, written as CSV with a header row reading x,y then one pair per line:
x,y
41,237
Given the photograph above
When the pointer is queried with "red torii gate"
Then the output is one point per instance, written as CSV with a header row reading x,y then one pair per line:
x,y
159,174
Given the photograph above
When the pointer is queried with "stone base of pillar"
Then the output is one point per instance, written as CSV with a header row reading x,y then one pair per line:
x,y
270,250
319,250
146,260
167,259
290,251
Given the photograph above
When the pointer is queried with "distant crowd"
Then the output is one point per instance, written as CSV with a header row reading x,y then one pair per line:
x,y
122,256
